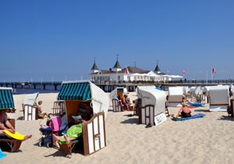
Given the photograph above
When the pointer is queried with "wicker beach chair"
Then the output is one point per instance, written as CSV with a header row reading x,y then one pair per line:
x,y
58,107
116,106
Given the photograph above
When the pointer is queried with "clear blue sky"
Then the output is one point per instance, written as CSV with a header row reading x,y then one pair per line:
x,y
58,39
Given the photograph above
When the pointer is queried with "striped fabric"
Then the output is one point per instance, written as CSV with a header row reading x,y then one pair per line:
x,y
75,91
6,99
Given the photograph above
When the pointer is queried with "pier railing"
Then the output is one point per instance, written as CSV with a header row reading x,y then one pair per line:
x,y
110,85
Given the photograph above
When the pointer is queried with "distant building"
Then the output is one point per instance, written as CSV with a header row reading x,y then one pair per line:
x,y
130,73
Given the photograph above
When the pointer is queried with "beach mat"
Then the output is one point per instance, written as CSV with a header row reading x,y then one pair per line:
x,y
199,115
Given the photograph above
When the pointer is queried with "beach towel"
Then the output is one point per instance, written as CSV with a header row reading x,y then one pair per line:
x,y
57,121
15,135
196,104
199,115
2,154
191,107
74,131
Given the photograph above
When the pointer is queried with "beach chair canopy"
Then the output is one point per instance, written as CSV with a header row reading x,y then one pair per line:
x,y
30,99
6,98
150,95
185,89
119,91
206,90
85,90
197,91
219,95
175,94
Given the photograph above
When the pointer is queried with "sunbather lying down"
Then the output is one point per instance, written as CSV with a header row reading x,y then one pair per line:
x,y
72,133
8,130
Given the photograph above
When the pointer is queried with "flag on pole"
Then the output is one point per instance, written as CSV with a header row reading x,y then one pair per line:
x,y
127,72
183,73
213,70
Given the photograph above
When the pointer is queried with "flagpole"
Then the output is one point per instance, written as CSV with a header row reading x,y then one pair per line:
x,y
211,74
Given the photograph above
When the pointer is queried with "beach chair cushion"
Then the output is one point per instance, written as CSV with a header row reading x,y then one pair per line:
x,y
199,115
74,131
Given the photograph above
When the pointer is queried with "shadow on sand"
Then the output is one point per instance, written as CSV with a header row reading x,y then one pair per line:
x,y
201,110
226,118
130,121
20,118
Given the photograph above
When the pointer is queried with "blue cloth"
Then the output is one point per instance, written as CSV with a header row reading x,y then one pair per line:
x,y
2,154
196,104
159,89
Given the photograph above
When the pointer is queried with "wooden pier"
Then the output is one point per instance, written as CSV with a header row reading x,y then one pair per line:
x,y
109,86
30,85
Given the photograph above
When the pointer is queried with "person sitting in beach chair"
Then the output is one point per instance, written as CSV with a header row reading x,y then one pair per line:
x,y
66,142
184,111
126,102
6,129
120,102
41,113
85,111
72,133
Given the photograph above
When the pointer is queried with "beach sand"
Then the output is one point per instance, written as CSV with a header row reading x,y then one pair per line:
x,y
203,140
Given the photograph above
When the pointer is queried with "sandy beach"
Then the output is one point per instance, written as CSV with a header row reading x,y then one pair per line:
x,y
203,140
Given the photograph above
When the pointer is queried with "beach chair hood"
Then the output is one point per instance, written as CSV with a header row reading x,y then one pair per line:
x,y
30,99
117,91
175,94
6,98
219,95
150,95
85,90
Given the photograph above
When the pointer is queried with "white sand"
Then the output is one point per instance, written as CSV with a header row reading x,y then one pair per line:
x,y
204,140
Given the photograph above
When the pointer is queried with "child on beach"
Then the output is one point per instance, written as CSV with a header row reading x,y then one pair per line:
x,y
40,109
119,101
